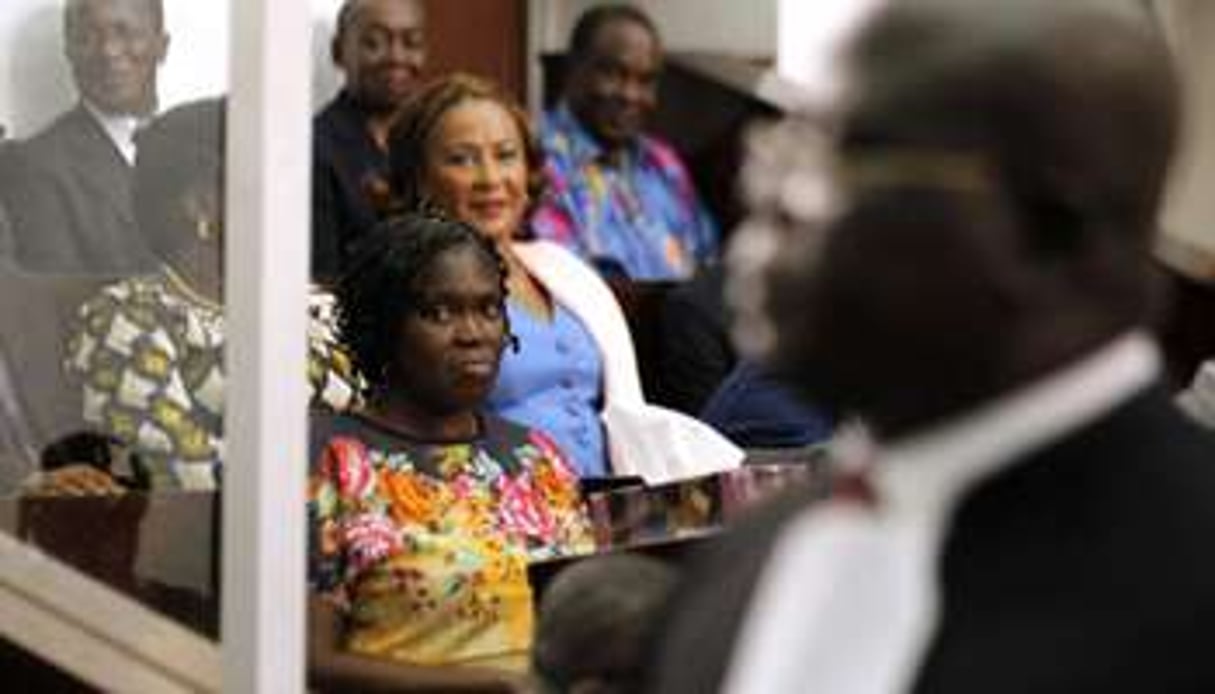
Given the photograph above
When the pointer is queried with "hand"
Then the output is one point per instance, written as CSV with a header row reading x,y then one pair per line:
x,y
78,479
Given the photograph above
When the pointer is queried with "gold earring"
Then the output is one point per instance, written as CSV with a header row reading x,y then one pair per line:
x,y
428,208
204,229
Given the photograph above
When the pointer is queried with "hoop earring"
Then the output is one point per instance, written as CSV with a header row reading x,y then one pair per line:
x,y
429,208
204,229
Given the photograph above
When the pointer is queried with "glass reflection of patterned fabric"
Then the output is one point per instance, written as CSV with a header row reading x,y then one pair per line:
x,y
149,353
641,218
423,547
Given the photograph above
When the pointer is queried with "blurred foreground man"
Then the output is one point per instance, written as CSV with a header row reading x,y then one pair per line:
x,y
966,266
68,188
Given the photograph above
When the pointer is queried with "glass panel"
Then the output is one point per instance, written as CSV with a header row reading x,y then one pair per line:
x,y
111,319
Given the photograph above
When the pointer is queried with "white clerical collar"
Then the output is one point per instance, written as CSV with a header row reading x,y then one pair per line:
x,y
120,128
925,471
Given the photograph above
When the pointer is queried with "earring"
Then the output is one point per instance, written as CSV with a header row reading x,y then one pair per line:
x,y
428,208
204,229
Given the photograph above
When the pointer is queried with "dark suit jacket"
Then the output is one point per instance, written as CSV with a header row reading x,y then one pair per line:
x,y
695,350
67,191
346,162
1084,568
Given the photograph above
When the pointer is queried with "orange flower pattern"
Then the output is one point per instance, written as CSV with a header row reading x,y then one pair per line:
x,y
425,546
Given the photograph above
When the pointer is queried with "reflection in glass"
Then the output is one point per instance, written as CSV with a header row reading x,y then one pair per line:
x,y
111,286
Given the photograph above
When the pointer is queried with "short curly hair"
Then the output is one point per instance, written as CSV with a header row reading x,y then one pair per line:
x,y
420,117
380,289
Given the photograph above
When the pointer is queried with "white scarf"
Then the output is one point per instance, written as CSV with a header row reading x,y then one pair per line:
x,y
658,444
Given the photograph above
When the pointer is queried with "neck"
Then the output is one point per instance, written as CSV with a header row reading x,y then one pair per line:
x,y
417,422
614,154
1030,356
141,110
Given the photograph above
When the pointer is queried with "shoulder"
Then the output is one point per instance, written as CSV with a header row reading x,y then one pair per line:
x,y
70,129
329,430
564,142
70,149
573,282
662,155
554,130
140,291
336,125
546,258
541,249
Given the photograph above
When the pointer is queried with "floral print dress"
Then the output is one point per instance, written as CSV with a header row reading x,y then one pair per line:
x,y
423,546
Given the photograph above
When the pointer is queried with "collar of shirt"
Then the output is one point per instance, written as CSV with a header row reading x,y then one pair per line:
x,y
120,128
582,145
929,472
855,586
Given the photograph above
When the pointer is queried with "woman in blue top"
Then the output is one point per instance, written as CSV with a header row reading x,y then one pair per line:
x,y
462,148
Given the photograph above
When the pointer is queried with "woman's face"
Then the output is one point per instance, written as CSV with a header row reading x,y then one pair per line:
x,y
476,168
446,359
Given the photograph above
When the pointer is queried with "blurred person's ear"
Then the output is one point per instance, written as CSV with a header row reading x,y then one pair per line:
x,y
162,47
336,54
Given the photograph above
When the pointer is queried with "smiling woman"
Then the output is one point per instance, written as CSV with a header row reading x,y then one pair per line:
x,y
464,149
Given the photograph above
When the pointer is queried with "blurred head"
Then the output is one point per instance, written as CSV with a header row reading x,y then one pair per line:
x,y
595,622
423,312
462,146
115,48
983,216
613,64
380,46
179,182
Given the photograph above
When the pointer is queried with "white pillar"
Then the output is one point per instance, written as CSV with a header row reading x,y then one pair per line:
x,y
268,164
809,38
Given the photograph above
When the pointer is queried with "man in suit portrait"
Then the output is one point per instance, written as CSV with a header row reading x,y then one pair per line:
x,y
67,188
964,262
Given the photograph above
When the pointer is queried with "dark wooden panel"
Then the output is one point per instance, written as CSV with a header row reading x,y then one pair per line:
x,y
485,37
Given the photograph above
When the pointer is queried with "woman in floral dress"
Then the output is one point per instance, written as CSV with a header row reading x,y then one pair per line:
x,y
425,511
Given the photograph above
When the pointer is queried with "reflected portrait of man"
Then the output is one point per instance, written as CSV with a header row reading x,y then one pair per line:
x,y
380,48
68,188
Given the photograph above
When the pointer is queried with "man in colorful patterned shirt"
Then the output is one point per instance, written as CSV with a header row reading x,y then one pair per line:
x,y
619,198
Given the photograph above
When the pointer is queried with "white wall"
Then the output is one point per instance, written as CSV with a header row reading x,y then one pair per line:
x,y
741,27
809,38
35,83
325,78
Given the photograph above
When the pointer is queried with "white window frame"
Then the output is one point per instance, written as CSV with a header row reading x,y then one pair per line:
x,y
268,211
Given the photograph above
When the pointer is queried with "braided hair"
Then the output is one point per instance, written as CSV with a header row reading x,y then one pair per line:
x,y
381,287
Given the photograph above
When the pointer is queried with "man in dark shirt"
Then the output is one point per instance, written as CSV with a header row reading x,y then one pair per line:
x,y
380,46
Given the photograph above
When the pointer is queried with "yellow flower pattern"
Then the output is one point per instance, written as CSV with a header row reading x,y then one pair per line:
x,y
150,361
421,544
